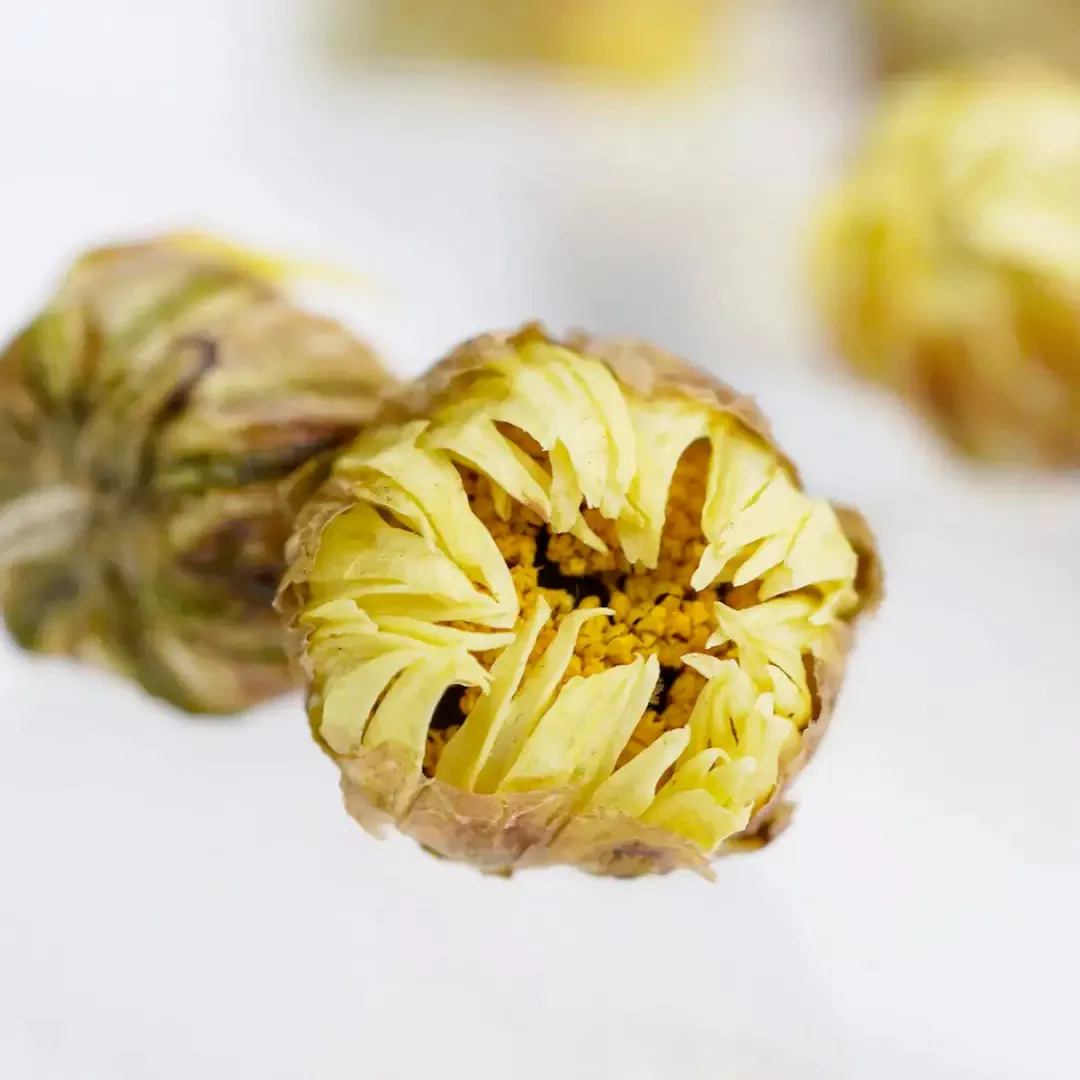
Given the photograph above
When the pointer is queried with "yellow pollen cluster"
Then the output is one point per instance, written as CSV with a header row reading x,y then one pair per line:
x,y
657,612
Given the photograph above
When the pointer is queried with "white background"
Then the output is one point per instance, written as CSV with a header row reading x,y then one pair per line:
x,y
186,899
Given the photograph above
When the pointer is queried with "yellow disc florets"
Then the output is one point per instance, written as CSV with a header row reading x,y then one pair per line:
x,y
654,612
552,582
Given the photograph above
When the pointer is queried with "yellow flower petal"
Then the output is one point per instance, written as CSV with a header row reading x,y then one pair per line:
x,y
583,431
533,700
350,698
613,410
524,398
779,508
820,553
566,493
582,532
383,492
479,443
356,635
768,630
561,744
404,716
633,708
697,816
632,788
792,695
664,430
467,751
433,482
443,636
692,773
397,561
719,673
736,784
739,469
767,555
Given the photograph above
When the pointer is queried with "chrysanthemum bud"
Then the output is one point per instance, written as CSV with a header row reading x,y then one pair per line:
x,y
948,261
640,39
567,603
155,421
914,34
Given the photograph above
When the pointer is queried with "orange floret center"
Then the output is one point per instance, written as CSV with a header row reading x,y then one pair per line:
x,y
656,610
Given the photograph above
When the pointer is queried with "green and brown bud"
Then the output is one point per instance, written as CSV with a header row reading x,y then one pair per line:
x,y
158,422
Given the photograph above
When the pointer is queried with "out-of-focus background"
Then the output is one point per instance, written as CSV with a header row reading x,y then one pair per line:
x,y
186,898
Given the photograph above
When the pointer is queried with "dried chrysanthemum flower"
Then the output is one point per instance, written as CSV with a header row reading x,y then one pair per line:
x,y
645,39
567,603
917,33
155,420
948,261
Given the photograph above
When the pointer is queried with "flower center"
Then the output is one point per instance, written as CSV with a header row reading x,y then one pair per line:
x,y
656,611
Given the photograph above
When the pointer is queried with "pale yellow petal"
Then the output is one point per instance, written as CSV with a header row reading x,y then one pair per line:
x,y
793,697
639,693
349,698
582,532
525,399
368,637
582,430
404,715
632,788
780,507
394,561
595,752
444,636
701,719
663,429
612,408
479,443
431,479
736,784
557,748
692,773
713,561
709,666
340,615
765,556
820,553
383,601
774,628
698,817
739,469
467,751
383,492
731,704
566,493
534,698
504,505
720,674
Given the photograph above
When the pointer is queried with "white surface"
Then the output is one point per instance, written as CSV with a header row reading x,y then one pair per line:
x,y
186,899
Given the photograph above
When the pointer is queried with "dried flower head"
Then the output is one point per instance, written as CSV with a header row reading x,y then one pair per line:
x,y
948,261
566,603
152,420
639,39
918,33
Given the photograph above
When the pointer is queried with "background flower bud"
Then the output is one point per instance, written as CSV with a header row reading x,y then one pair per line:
x,y
158,421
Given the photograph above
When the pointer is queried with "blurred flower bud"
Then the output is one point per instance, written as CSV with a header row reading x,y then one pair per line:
x,y
948,260
157,421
